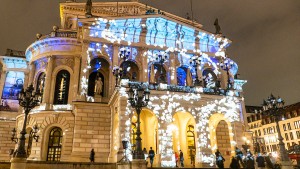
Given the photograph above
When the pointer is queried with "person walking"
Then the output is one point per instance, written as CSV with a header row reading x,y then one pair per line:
x,y
176,158
145,153
239,156
219,159
151,156
234,163
260,161
181,158
249,161
92,156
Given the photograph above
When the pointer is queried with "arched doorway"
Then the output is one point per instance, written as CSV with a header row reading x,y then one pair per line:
x,y
62,87
223,141
149,130
158,73
55,144
184,138
131,70
210,79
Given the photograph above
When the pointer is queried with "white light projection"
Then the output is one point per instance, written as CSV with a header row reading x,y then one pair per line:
x,y
165,106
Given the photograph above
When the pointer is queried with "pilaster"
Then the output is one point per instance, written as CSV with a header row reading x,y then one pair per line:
x,y
76,76
2,81
31,73
173,73
115,62
144,63
47,89
83,72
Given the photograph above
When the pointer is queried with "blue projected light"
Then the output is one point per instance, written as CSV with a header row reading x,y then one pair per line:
x,y
159,32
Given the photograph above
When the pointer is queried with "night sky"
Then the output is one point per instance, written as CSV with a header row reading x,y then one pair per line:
x,y
265,36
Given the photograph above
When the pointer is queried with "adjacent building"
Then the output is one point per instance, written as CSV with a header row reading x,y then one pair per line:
x,y
265,135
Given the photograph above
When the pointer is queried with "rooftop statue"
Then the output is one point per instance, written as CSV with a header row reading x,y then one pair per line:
x,y
217,26
88,8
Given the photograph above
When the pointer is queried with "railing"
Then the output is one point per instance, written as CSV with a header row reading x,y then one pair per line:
x,y
184,89
64,34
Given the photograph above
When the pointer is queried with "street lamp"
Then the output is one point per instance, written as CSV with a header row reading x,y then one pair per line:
x,y
195,61
273,107
161,58
227,65
138,98
28,99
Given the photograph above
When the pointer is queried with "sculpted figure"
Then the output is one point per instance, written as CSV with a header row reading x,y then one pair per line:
x,y
88,8
217,26
98,86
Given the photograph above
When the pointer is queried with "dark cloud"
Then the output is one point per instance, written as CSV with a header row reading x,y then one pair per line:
x,y
265,36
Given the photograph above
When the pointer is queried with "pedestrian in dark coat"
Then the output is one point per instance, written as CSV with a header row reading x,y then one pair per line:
x,y
260,161
92,156
249,161
151,156
219,159
181,158
234,163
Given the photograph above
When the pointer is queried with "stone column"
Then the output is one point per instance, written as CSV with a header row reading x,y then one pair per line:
x,y
83,72
76,76
115,62
47,89
2,81
173,71
31,73
144,63
26,79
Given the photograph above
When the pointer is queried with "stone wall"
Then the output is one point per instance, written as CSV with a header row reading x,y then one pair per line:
x,y
92,130
68,165
223,141
5,139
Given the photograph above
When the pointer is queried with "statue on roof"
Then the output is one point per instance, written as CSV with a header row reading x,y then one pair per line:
x,y
88,8
217,26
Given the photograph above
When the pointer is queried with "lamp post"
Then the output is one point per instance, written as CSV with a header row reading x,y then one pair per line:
x,y
28,99
227,65
195,61
161,58
273,107
138,98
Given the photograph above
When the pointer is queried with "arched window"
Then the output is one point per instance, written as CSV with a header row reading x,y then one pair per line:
x,y
41,82
62,87
210,79
54,144
181,76
29,145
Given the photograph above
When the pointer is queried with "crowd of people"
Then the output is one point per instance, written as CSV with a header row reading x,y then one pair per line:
x,y
248,161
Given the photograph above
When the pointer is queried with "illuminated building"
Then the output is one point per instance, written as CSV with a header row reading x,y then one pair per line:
x,y
72,120
265,137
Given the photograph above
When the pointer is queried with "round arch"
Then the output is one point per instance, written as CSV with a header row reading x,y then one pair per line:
x,y
182,120
214,121
134,73
44,141
149,134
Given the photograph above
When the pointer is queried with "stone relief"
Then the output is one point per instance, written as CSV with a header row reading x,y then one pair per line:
x,y
65,61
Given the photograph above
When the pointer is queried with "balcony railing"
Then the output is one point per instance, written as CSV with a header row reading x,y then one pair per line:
x,y
63,34
184,89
